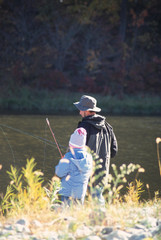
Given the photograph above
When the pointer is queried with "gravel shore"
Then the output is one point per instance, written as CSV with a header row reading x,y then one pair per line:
x,y
147,227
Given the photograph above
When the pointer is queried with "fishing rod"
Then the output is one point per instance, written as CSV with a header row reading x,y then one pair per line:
x,y
51,143
54,136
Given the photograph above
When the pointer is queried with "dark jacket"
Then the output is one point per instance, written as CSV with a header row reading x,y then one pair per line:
x,y
100,138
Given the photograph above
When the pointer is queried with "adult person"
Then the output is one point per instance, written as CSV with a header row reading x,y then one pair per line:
x,y
75,169
100,136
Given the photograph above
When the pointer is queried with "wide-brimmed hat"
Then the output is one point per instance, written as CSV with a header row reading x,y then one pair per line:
x,y
87,103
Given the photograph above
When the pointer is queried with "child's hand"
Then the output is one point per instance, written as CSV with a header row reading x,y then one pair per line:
x,y
64,160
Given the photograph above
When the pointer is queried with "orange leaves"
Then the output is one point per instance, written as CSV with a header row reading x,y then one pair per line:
x,y
138,20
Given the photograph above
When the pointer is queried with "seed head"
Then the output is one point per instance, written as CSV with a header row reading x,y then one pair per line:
x,y
158,140
141,170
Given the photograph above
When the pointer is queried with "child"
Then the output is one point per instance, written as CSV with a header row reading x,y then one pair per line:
x,y
75,168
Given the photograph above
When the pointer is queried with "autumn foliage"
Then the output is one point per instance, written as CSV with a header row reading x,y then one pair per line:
x,y
107,47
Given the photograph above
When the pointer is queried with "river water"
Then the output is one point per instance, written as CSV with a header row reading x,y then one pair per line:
x,y
24,136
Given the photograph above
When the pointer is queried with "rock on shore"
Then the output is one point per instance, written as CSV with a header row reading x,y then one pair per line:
x,y
148,228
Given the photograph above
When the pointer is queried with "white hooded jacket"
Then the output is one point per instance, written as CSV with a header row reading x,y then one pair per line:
x,y
75,170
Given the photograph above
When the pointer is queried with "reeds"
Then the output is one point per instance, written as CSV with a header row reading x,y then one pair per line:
x,y
30,100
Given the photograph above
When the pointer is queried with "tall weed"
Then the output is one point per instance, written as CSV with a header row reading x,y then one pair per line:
x,y
52,190
25,191
115,183
135,190
112,184
158,140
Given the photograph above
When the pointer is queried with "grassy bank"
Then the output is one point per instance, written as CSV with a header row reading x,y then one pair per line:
x,y
27,198
32,101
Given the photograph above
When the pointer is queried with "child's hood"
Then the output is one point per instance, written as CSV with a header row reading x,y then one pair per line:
x,y
81,159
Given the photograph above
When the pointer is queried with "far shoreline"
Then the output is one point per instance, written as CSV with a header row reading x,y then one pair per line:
x,y
61,103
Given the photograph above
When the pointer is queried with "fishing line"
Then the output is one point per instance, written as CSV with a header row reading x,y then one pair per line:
x,y
50,143
8,144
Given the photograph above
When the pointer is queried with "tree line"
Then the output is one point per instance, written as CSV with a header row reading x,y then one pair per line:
x,y
100,46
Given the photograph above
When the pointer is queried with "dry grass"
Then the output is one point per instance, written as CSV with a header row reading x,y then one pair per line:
x,y
68,219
